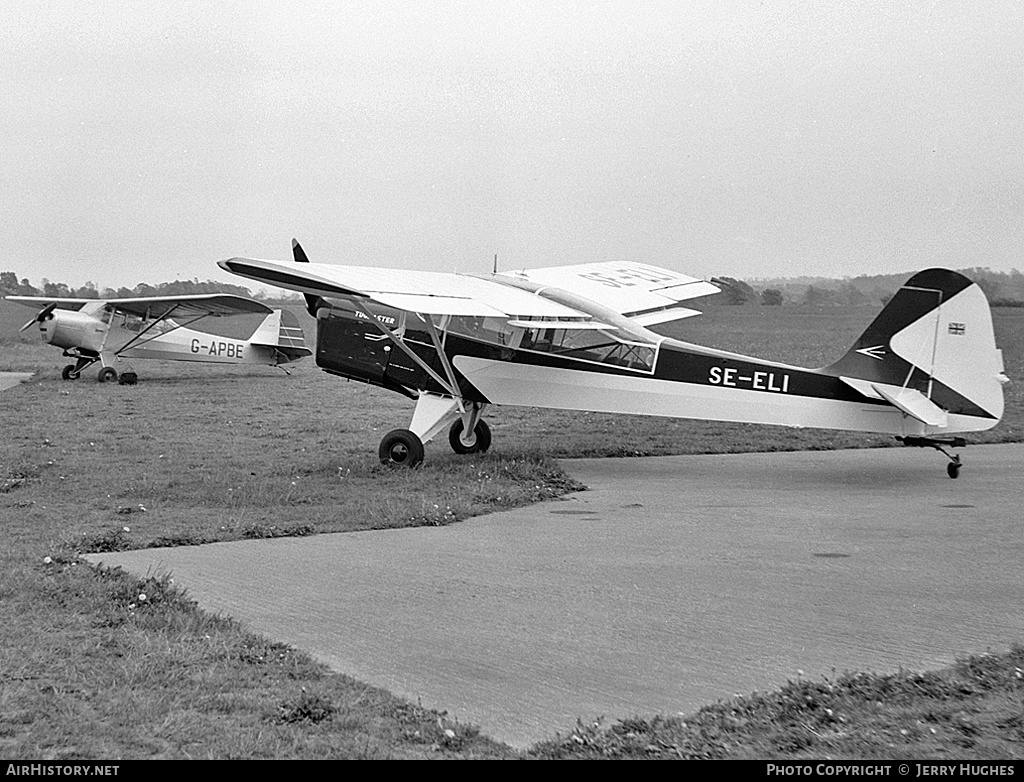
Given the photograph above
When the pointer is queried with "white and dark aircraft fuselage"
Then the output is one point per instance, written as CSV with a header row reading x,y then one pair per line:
x,y
926,368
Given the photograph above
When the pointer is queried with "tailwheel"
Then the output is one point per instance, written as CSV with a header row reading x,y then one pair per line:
x,y
940,444
401,448
478,443
107,375
953,468
69,373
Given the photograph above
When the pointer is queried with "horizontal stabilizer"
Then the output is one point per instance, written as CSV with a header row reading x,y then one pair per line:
x,y
916,405
908,400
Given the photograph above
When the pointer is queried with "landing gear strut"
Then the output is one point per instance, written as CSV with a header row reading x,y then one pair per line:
x,y
953,467
74,371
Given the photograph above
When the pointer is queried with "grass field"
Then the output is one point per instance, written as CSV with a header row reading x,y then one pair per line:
x,y
192,454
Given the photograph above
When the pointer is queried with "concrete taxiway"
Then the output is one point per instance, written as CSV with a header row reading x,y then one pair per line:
x,y
671,583
11,379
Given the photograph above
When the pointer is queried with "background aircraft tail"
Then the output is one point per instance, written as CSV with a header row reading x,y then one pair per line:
x,y
931,352
281,331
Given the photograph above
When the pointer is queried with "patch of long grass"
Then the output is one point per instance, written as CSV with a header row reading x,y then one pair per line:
x,y
971,710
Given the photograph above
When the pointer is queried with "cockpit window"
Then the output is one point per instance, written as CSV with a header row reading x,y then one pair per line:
x,y
590,345
584,344
496,331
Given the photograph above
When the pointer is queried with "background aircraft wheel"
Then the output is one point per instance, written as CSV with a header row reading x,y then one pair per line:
x,y
128,379
953,469
481,440
68,373
401,448
107,375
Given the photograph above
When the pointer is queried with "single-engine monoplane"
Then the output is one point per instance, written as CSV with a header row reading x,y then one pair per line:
x,y
109,331
577,337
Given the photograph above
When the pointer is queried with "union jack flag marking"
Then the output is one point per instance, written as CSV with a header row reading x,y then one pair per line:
x,y
958,329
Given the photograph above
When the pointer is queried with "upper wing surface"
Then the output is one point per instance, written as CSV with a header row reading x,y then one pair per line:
x,y
649,294
215,304
194,305
429,293
63,303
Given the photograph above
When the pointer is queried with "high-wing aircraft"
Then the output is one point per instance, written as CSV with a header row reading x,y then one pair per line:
x,y
576,338
109,330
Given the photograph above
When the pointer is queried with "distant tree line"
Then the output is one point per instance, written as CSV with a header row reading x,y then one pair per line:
x,y
1003,289
11,286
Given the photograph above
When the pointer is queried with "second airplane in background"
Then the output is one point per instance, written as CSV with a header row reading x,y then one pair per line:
x,y
109,331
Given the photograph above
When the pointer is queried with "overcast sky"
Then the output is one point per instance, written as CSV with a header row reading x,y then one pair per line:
x,y
144,141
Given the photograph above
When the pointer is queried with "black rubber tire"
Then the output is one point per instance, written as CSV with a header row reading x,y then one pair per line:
x,y
481,442
953,470
401,448
107,375
68,373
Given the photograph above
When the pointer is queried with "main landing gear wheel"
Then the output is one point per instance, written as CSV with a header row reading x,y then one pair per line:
x,y
401,448
107,375
481,438
69,373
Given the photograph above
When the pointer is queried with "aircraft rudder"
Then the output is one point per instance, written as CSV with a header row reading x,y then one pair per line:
x,y
934,336
281,330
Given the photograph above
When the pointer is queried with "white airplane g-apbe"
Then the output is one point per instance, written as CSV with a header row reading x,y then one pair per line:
x,y
156,327
577,338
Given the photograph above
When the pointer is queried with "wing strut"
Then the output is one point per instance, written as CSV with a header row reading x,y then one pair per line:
x,y
449,385
445,363
138,341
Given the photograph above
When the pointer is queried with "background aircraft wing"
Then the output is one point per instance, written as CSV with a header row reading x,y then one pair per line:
x,y
41,301
192,305
425,292
644,293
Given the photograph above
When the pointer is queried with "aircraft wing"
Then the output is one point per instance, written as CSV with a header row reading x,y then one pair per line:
x,y
41,301
425,292
646,294
213,304
193,305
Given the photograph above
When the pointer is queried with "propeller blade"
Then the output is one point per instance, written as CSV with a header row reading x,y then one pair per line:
x,y
313,303
42,315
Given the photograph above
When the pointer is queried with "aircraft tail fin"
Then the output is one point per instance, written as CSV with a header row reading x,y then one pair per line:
x,y
931,352
281,330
